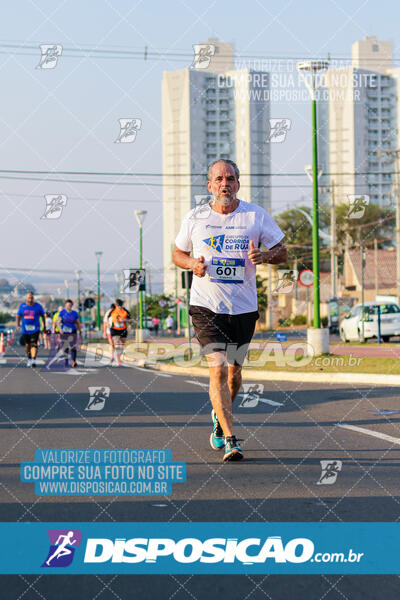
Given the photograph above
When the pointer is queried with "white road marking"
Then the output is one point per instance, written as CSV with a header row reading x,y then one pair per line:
x,y
271,402
376,434
149,371
196,382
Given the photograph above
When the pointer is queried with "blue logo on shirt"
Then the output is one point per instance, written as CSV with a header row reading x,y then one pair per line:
x,y
216,242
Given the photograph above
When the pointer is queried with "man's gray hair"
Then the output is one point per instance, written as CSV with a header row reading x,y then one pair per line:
x,y
227,162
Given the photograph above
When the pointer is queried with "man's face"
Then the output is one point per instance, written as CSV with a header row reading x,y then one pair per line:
x,y
29,298
68,306
223,184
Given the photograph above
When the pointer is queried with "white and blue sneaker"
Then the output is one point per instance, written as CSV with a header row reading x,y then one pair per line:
x,y
233,451
217,440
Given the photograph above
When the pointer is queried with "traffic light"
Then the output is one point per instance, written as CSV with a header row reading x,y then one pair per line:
x,y
89,303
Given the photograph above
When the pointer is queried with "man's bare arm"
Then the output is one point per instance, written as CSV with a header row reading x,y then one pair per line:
x,y
276,255
183,260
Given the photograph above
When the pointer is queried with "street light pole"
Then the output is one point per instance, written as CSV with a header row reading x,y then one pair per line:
x,y
78,283
313,67
98,256
140,216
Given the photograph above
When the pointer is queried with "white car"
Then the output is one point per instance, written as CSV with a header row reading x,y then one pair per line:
x,y
351,325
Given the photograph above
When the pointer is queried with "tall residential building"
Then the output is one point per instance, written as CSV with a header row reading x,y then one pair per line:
x,y
210,113
357,117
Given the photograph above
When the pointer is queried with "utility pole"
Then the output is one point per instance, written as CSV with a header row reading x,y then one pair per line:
x,y
376,266
362,248
270,307
395,153
140,216
98,256
333,243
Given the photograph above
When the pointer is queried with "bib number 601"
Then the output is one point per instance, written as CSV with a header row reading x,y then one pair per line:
x,y
226,271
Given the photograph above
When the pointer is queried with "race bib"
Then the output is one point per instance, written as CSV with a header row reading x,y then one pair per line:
x,y
67,329
226,270
120,324
30,328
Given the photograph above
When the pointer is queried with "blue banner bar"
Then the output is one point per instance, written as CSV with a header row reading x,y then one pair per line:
x,y
200,548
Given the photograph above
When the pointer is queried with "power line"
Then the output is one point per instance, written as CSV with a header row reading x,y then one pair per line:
x,y
146,53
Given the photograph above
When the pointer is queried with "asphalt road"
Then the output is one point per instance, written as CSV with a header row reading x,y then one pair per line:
x,y
292,428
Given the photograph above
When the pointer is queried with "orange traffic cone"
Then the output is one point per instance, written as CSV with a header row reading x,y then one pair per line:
x,y
2,346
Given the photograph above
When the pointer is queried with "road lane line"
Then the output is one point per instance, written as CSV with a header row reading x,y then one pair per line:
x,y
376,434
148,370
196,383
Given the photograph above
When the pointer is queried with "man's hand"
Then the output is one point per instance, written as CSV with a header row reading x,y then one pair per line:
x,y
199,268
255,254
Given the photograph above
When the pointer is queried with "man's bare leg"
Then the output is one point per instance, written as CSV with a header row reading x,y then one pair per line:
x,y
234,380
219,391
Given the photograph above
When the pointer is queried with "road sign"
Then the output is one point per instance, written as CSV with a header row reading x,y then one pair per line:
x,y
281,337
306,277
134,281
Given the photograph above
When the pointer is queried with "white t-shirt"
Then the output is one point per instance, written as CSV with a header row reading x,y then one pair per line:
x,y
208,233
107,320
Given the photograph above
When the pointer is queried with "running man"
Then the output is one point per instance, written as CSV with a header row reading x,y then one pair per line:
x,y
56,329
48,331
69,325
119,318
107,330
223,300
29,317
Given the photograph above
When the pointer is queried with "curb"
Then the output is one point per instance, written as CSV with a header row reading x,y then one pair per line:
x,y
351,378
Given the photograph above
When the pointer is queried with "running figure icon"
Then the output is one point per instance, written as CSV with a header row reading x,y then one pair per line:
x,y
62,549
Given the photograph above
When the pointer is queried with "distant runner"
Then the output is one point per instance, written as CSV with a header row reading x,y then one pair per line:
x,y
29,316
69,325
119,318
107,330
223,300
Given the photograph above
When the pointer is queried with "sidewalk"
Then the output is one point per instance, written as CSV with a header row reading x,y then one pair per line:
x,y
144,359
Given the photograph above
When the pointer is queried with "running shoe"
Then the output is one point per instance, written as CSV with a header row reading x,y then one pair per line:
x,y
75,365
33,363
29,362
233,450
217,440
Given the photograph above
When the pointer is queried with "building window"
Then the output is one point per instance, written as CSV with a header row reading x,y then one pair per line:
x,y
375,48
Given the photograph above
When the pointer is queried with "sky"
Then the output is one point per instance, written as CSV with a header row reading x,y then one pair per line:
x,y
67,118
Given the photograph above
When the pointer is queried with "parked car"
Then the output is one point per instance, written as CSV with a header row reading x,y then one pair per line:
x,y
351,325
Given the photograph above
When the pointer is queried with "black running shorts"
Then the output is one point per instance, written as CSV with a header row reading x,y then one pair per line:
x,y
221,332
122,333
31,338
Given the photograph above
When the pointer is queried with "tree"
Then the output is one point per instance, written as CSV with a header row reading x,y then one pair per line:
x,y
155,310
377,222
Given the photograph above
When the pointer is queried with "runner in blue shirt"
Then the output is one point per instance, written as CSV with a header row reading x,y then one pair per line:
x,y
69,326
29,315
